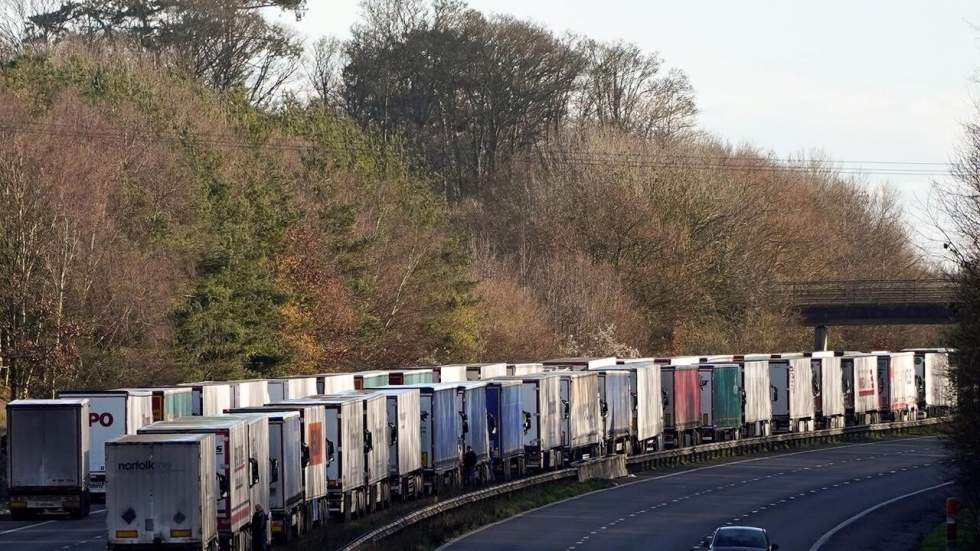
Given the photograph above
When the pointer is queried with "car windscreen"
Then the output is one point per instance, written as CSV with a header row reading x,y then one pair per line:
x,y
735,537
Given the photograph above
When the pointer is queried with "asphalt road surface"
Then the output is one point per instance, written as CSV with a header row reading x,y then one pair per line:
x,y
880,495
800,497
55,534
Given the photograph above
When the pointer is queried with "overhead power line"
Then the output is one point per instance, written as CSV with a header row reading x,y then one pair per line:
x,y
577,157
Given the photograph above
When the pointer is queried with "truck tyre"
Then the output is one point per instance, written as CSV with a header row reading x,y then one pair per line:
x,y
20,514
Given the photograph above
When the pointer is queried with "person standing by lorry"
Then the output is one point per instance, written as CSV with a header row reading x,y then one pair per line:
x,y
469,466
258,529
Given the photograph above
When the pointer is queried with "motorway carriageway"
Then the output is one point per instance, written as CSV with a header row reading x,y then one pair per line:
x,y
800,497
55,533
879,495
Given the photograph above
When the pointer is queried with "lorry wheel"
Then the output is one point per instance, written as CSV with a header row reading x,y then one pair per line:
x,y
20,514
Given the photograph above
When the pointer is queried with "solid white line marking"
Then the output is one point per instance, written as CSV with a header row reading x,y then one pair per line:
x,y
12,530
826,537
448,544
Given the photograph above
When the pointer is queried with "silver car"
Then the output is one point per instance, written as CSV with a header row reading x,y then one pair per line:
x,y
739,538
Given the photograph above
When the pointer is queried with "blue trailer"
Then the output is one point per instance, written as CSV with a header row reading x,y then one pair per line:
x,y
440,431
476,436
505,419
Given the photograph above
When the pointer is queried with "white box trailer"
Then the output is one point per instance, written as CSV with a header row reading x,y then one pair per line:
x,y
678,360
792,377
235,474
402,408
48,457
260,462
648,403
332,383
449,373
932,378
897,398
170,402
161,492
577,364
758,397
112,413
475,430
249,393
210,398
314,469
581,433
344,438
285,472
828,395
292,388
375,446
541,409
648,419
860,384
440,430
615,409
485,371
524,369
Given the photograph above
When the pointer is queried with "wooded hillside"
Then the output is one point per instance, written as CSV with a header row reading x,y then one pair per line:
x,y
445,186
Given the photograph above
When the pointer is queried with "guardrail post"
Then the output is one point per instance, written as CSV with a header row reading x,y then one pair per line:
x,y
820,337
951,507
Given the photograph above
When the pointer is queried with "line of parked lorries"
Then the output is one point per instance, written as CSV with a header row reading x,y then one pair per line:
x,y
186,466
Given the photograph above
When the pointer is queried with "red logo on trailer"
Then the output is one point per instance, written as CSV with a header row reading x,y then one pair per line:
x,y
316,443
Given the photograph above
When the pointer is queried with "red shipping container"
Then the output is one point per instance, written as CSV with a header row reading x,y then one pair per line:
x,y
687,398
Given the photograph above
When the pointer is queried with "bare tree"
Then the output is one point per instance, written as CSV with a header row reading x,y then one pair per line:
x,y
389,21
626,88
37,254
15,25
961,203
324,71
227,43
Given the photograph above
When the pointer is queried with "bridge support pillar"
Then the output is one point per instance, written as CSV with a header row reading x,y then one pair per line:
x,y
820,338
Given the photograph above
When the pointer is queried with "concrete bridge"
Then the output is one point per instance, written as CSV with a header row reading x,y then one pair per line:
x,y
871,302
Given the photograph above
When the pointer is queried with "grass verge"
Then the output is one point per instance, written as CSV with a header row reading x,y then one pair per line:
x,y
966,537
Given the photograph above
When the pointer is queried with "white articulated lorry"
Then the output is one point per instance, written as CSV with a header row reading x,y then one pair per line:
x,y
161,492
235,468
210,397
288,518
48,457
292,388
404,440
285,471
112,413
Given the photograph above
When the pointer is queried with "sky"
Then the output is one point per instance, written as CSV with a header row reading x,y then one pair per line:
x,y
857,80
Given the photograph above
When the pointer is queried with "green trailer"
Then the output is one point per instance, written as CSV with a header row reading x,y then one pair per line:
x,y
370,379
722,400
410,376
170,402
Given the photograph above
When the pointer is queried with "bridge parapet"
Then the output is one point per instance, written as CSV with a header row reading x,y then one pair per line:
x,y
911,291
